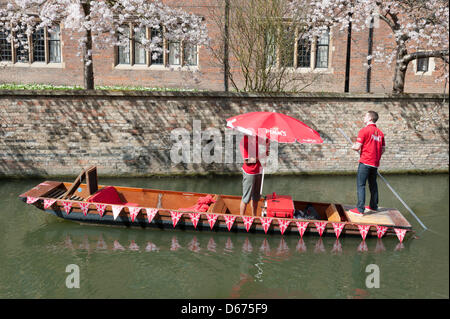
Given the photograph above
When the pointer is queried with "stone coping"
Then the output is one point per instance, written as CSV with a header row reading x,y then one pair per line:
x,y
226,95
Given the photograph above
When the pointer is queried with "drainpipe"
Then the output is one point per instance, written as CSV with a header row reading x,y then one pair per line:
x,y
369,53
226,66
347,59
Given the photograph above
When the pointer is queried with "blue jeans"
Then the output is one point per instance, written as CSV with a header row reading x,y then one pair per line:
x,y
367,173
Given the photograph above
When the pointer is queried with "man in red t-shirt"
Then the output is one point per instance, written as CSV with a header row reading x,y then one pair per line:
x,y
251,171
371,145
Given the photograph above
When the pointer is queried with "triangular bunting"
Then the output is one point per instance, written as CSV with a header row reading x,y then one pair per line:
x,y
134,211
48,203
301,226
67,206
31,200
116,209
195,217
283,224
248,221
381,230
211,219
338,227
265,222
363,230
175,217
151,213
100,208
229,220
320,227
84,208
400,233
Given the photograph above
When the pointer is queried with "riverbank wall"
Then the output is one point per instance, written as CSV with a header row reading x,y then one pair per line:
x,y
128,133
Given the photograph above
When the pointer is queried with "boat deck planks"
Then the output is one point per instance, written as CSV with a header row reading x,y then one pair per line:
x,y
384,216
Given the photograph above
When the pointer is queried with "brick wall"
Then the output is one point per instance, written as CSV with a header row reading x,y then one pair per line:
x,y
129,133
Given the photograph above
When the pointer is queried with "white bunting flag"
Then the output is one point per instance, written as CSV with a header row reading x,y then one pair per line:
x,y
229,220
320,227
116,209
195,217
211,219
283,224
265,222
363,229
151,213
84,207
67,206
100,208
400,233
175,217
248,221
134,211
301,226
31,200
48,203
381,230
338,227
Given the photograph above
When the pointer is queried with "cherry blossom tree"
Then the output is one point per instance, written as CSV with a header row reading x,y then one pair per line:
x,y
100,24
420,28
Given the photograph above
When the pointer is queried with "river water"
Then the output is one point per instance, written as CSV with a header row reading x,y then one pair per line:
x,y
36,249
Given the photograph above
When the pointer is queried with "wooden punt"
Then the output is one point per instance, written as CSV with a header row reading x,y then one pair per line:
x,y
166,201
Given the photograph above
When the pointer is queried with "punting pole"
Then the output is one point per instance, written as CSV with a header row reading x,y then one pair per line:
x,y
390,187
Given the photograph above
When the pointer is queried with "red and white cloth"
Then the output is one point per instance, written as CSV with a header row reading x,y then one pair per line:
x,y
116,209
363,230
31,200
175,217
195,217
211,219
248,221
84,208
134,211
229,220
265,222
48,203
338,227
381,230
151,213
67,206
301,226
320,226
100,208
283,224
400,233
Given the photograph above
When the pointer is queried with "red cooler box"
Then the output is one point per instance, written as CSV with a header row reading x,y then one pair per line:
x,y
280,206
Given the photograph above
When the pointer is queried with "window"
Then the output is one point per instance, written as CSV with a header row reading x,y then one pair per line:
x,y
171,53
322,51
303,53
422,65
124,51
38,39
22,53
54,45
5,48
287,47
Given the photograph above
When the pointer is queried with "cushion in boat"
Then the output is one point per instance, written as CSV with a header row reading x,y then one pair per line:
x,y
109,195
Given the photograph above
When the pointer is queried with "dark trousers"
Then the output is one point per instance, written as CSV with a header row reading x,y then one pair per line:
x,y
367,173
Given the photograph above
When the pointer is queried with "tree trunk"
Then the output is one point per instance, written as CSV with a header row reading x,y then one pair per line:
x,y
87,54
400,70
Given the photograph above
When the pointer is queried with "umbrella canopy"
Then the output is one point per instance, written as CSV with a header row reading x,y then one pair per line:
x,y
282,128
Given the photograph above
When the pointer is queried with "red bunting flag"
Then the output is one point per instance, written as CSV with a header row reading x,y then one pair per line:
x,y
175,217
301,226
400,233
363,230
116,209
248,221
48,203
84,207
31,200
195,217
265,222
338,227
320,227
151,213
283,224
100,208
134,211
381,230
211,219
229,220
67,206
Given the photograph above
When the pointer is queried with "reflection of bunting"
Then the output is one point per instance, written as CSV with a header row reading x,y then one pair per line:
x,y
400,233
248,221
151,213
338,227
67,206
301,247
100,208
84,208
175,245
362,247
301,226
381,230
229,220
175,217
265,222
134,211
116,209
48,203
211,219
283,224
337,247
31,200
247,247
320,227
194,218
363,230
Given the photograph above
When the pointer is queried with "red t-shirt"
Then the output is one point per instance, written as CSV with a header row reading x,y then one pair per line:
x,y
249,148
372,141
